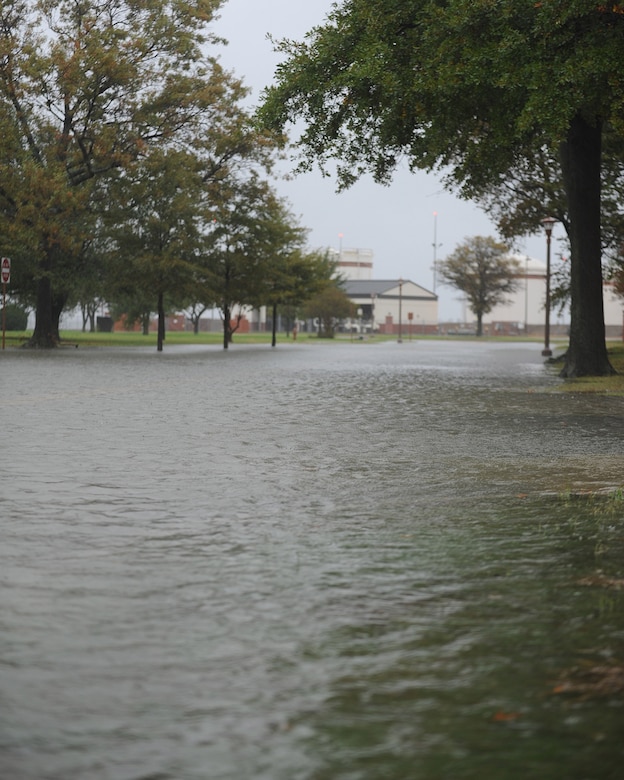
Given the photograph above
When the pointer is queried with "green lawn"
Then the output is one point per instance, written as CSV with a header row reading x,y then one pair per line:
x,y
607,385
130,339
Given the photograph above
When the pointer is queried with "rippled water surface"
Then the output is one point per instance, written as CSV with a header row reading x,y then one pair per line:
x,y
320,562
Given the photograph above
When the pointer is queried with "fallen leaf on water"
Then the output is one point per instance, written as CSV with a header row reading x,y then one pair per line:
x,y
503,717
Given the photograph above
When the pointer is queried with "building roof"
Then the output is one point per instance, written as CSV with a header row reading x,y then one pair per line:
x,y
365,288
528,264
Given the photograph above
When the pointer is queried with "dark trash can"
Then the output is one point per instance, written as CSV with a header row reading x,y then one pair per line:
x,y
104,324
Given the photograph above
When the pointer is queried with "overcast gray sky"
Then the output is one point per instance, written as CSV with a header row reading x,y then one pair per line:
x,y
395,222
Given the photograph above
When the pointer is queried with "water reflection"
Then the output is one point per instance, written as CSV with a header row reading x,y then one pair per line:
x,y
341,561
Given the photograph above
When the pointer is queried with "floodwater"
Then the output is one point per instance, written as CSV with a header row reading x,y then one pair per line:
x,y
319,562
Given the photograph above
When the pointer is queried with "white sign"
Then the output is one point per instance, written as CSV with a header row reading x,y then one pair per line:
x,y
6,270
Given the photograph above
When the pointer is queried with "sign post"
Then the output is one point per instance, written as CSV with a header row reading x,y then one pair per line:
x,y
5,272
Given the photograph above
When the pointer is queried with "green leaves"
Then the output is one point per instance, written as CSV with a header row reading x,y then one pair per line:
x,y
116,97
462,83
482,270
470,86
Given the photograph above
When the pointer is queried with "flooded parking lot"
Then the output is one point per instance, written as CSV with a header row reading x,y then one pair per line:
x,y
319,562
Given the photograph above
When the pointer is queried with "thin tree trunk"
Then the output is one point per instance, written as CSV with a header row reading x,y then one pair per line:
x,y
580,164
161,322
226,326
274,326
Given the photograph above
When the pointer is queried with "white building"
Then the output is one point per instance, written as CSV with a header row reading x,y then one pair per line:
x,y
355,263
614,312
525,310
394,306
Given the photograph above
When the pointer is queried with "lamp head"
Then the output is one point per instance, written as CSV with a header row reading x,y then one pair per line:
x,y
548,223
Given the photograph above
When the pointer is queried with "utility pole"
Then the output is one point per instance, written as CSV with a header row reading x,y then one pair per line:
x,y
435,249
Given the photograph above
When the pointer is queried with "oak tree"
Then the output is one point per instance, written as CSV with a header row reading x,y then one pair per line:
x,y
292,274
85,88
154,232
467,87
534,186
330,305
293,279
241,246
483,271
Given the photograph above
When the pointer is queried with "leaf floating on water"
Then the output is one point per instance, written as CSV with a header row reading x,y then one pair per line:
x,y
505,717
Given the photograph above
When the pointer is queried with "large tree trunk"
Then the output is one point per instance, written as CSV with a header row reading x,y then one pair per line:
x,y
49,306
580,163
45,334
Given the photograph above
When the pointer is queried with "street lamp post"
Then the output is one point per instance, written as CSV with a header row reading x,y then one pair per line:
x,y
435,249
400,307
548,223
372,314
526,296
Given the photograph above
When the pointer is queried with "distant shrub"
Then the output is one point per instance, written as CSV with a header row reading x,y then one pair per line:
x,y
16,317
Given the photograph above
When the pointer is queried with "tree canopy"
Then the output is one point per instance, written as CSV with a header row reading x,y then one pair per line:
x,y
131,172
535,185
468,88
154,231
330,305
483,271
86,89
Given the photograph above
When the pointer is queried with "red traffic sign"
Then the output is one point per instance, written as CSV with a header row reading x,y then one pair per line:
x,y
6,270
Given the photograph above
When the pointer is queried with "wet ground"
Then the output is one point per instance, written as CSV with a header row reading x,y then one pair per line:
x,y
319,562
